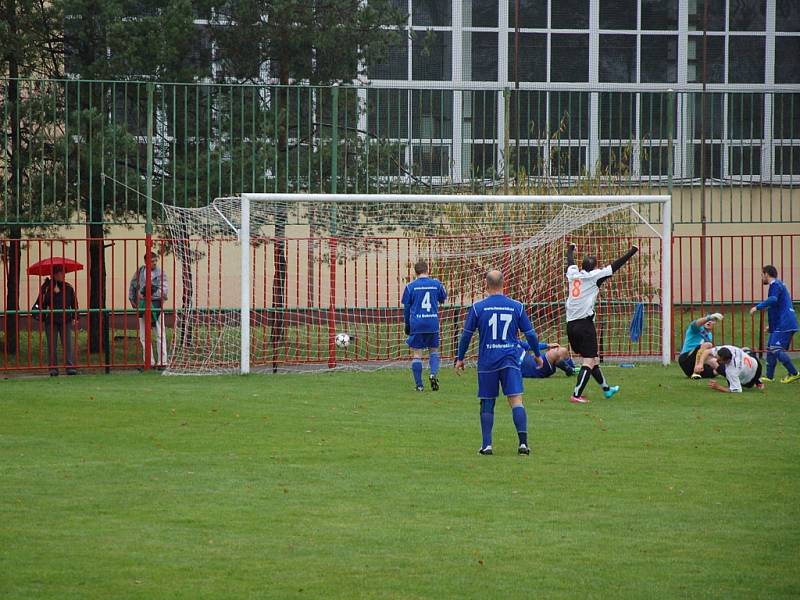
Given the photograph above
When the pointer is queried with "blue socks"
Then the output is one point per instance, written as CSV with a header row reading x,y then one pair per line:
x,y
521,423
772,362
434,359
781,356
416,369
487,421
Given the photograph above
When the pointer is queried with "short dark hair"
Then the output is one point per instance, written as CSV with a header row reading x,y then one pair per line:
x,y
420,267
589,263
770,270
724,354
58,269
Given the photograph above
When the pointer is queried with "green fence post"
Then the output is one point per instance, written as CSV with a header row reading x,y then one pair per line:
x,y
148,228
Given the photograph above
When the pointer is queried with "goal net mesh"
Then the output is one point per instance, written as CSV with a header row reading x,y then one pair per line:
x,y
323,268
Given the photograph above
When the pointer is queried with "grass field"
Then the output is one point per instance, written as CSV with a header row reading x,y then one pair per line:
x,y
352,485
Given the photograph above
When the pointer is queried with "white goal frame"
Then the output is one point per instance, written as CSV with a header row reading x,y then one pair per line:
x,y
243,234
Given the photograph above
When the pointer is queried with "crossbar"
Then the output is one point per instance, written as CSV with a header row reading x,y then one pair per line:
x,y
466,198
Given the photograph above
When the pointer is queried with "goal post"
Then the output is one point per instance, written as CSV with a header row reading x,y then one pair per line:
x,y
296,240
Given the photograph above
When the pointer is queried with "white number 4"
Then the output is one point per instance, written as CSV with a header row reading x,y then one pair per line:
x,y
426,302
506,319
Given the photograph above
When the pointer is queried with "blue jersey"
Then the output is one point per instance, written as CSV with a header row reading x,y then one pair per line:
x,y
695,335
780,312
498,321
421,300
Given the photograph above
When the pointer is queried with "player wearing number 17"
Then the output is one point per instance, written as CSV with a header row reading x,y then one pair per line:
x,y
498,319
421,299
584,285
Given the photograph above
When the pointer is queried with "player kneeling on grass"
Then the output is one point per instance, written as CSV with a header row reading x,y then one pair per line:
x,y
741,369
699,337
421,299
498,319
555,357
584,285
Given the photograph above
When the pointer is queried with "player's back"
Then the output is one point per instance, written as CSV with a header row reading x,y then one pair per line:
x,y
782,316
741,369
498,320
583,290
423,296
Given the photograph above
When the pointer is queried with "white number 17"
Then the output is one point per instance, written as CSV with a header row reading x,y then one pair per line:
x,y
506,319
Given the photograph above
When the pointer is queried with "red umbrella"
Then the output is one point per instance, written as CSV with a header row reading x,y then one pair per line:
x,y
46,266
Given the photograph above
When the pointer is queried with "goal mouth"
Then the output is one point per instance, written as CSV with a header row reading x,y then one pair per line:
x,y
318,265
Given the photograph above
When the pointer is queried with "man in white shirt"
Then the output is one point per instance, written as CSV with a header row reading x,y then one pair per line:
x,y
584,285
741,369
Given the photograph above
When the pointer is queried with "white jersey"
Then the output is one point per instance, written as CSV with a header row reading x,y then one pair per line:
x,y
583,291
740,370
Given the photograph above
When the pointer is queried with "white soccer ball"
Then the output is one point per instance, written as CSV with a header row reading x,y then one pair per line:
x,y
342,340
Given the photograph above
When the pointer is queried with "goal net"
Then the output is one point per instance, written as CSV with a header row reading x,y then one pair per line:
x,y
270,280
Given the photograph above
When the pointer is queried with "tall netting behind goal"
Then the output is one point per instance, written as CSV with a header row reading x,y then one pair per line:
x,y
319,265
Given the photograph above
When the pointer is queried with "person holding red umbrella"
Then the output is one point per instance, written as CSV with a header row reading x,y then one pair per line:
x,y
58,304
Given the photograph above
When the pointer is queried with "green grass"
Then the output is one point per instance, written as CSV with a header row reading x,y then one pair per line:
x,y
351,485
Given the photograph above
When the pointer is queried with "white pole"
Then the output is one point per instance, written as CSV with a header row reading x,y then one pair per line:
x,y
463,199
244,275
666,282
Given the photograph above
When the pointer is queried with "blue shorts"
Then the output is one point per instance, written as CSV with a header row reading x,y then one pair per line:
x,y
529,368
489,382
418,341
780,339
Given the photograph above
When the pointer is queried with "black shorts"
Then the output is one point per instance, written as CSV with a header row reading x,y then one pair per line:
x,y
686,362
582,336
757,377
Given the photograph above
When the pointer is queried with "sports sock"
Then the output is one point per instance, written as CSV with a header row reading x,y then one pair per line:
x,y
583,379
772,362
566,365
599,378
434,360
521,423
416,369
783,356
487,421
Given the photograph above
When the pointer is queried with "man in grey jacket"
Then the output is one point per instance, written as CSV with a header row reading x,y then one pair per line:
x,y
159,295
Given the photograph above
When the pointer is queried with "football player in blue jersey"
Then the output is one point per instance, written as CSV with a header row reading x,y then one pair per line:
x,y
782,324
421,300
498,320
555,357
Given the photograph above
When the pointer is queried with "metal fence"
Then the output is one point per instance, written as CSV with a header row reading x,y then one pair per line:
x,y
108,338
77,151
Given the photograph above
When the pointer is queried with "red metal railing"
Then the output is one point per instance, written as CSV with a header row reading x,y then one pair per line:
x,y
328,286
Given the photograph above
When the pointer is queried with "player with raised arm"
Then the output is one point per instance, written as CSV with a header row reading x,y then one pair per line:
x,y
421,299
498,320
699,337
741,369
782,324
584,285
555,357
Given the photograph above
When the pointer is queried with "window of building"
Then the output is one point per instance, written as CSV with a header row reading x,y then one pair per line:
x,y
715,15
787,15
392,65
715,70
528,119
660,14
431,13
431,160
617,114
746,116
569,116
567,160
787,65
569,57
479,113
618,14
532,56
431,56
786,116
483,51
532,14
432,114
746,59
569,14
617,59
748,15
659,62
387,113
744,160
480,13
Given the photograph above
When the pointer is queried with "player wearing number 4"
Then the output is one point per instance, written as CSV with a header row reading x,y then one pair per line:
x,y
498,319
782,324
421,300
584,285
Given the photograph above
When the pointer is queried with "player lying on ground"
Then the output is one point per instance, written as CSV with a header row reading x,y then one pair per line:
x,y
782,324
741,369
699,337
421,299
584,285
498,320
555,357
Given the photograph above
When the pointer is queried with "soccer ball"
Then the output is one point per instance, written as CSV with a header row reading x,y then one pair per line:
x,y
342,340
